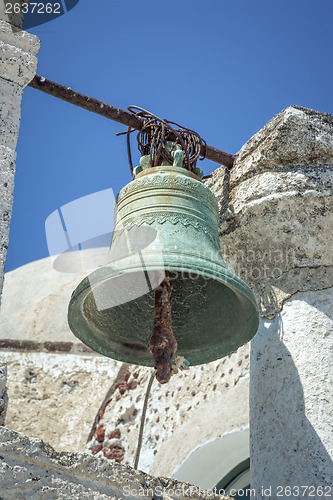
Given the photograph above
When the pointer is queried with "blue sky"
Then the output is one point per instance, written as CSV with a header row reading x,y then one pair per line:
x,y
220,67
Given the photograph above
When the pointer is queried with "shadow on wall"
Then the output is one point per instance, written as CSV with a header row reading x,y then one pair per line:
x,y
293,452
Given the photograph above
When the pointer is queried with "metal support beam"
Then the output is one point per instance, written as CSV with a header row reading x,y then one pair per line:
x,y
113,113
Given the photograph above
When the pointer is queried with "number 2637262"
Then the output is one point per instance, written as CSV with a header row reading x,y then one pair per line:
x,y
33,8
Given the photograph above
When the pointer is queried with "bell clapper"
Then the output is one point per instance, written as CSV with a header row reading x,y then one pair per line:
x,y
162,344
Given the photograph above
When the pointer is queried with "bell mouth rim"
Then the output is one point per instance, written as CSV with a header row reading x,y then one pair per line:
x,y
219,273
81,327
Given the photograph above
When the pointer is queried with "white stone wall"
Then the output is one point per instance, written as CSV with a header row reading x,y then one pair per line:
x,y
18,64
35,302
277,231
54,396
277,235
291,403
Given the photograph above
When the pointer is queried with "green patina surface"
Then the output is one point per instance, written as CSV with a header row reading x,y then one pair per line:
x,y
167,219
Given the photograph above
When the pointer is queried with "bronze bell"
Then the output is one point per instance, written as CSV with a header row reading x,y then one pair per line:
x,y
167,221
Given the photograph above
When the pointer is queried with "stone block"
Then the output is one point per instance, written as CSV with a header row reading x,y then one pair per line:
x,y
277,231
31,469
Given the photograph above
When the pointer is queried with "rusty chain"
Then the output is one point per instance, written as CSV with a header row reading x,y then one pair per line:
x,y
154,134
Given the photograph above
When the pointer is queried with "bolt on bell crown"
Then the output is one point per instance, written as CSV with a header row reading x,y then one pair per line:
x,y
167,220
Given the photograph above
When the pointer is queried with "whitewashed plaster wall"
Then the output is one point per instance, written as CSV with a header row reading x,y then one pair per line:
x,y
197,405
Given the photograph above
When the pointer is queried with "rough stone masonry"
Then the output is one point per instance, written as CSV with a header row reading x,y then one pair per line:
x,y
18,65
31,469
3,393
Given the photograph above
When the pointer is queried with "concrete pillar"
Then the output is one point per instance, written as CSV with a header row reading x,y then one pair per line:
x,y
278,237
18,64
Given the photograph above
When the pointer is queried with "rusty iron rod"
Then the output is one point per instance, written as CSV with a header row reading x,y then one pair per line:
x,y
112,113
143,418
